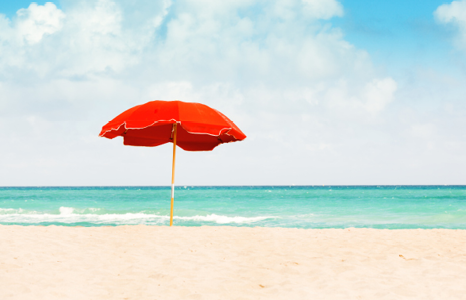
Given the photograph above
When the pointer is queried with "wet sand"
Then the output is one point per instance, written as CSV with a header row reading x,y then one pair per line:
x,y
152,262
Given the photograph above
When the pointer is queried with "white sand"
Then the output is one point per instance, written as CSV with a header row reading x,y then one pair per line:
x,y
144,262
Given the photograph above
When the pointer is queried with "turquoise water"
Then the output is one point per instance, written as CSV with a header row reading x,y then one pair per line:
x,y
390,207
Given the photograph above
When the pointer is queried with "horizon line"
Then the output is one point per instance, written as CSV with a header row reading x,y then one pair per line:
x,y
267,185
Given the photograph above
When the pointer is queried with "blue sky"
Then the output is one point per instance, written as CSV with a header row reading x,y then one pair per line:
x,y
328,92
9,8
397,33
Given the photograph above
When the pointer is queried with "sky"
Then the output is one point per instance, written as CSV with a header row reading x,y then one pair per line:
x,y
328,92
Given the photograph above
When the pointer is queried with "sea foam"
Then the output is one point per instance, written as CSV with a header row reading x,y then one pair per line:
x,y
68,215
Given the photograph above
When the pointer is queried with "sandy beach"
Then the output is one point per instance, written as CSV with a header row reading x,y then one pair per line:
x,y
151,262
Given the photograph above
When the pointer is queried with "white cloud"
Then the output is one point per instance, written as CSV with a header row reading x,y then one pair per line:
x,y
195,42
455,14
221,39
378,93
36,21
88,39
323,9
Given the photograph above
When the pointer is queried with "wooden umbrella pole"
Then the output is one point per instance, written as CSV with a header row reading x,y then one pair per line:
x,y
173,174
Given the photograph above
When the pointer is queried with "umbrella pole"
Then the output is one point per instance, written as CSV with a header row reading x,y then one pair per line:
x,y
173,174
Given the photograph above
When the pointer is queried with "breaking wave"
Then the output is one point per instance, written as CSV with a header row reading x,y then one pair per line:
x,y
69,215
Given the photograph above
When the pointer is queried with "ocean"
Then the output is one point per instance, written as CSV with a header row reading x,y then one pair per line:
x,y
390,207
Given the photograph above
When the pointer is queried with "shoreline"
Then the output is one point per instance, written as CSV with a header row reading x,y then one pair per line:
x,y
225,262
222,226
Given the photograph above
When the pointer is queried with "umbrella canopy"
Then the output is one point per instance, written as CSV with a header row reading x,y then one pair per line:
x,y
201,128
191,126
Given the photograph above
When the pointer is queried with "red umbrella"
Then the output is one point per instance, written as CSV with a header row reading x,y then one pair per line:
x,y
155,123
